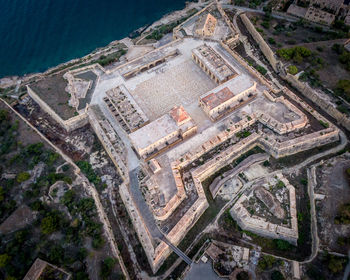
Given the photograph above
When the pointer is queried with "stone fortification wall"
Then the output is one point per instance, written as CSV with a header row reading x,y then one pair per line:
x,y
70,124
250,69
312,95
281,149
261,225
143,234
216,185
227,156
266,50
300,86
176,30
107,144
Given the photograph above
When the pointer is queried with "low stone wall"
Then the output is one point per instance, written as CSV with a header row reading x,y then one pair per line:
x,y
266,50
70,124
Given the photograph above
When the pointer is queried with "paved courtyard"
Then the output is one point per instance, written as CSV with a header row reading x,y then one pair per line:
x,y
181,84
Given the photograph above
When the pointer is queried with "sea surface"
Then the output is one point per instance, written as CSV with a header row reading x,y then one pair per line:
x,y
38,34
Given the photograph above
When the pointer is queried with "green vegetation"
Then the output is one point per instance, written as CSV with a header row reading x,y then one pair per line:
x,y
266,262
107,267
336,264
87,169
344,55
105,60
282,244
50,223
297,54
271,41
324,124
23,176
277,275
243,275
292,69
55,236
343,89
243,134
280,185
164,29
261,69
343,216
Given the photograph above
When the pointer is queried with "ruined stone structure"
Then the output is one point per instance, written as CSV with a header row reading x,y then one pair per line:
x,y
213,64
125,109
312,14
39,269
165,131
205,27
333,5
262,225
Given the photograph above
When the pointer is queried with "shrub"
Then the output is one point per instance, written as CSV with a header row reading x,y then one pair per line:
x,y
261,69
4,260
107,267
324,124
292,69
50,223
343,216
23,176
277,275
271,41
265,24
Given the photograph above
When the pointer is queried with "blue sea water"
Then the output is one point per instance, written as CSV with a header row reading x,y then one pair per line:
x,y
38,34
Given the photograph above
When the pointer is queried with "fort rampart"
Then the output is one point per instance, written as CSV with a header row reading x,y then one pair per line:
x,y
70,124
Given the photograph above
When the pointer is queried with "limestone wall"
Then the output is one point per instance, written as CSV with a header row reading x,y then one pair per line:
x,y
326,106
108,146
250,69
70,124
266,50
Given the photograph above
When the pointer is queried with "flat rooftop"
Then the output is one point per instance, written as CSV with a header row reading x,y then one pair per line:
x,y
215,99
214,62
153,132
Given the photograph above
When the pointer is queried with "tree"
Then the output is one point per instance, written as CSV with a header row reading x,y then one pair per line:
x,y
106,267
343,87
4,260
292,69
277,275
49,224
336,264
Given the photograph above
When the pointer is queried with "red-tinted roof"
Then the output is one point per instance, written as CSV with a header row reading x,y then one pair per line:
x,y
179,114
214,99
